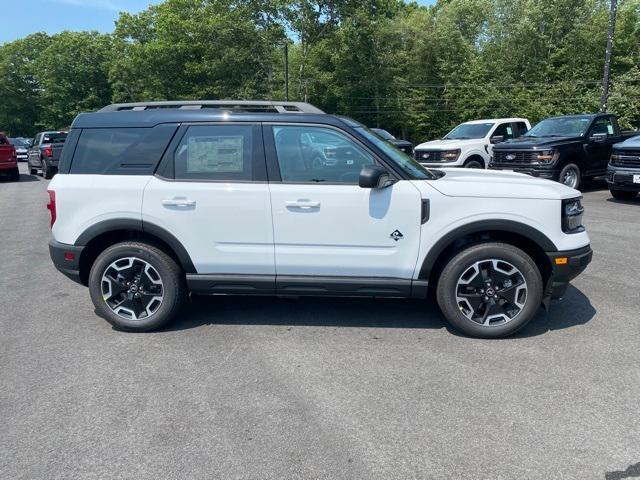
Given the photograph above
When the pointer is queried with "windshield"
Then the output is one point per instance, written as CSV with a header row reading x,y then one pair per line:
x,y
18,142
383,133
466,131
58,137
405,162
560,127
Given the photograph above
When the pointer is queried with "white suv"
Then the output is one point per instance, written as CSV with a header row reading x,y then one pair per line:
x,y
156,201
470,144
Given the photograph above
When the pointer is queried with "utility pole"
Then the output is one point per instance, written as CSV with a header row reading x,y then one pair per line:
x,y
607,59
286,71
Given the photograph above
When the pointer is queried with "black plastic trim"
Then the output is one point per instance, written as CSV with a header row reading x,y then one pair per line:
x,y
507,226
426,211
70,268
561,275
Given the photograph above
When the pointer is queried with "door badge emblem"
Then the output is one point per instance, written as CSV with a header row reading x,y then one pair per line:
x,y
396,235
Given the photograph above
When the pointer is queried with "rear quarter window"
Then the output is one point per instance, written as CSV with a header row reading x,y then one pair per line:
x,y
121,151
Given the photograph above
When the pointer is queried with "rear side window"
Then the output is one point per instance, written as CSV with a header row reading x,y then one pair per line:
x,y
121,151
216,152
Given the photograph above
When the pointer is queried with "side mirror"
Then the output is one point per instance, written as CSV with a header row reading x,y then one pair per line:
x,y
496,139
374,176
599,137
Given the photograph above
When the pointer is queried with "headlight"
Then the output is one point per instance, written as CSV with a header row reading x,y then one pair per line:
x,y
572,212
450,155
547,156
615,156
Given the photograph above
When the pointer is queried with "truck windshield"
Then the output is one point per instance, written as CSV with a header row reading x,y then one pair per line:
x,y
561,127
466,131
405,162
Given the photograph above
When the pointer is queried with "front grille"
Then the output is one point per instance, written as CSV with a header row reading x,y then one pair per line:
x,y
626,159
427,156
515,156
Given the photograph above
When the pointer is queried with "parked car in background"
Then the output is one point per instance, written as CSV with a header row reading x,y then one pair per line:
x,y
154,201
22,148
404,145
623,172
8,159
45,152
569,149
470,144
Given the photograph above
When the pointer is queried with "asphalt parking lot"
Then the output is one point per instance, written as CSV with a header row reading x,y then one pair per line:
x,y
261,388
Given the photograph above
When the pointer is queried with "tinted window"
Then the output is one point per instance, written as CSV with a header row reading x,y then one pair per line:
x,y
121,150
3,140
316,154
561,127
216,152
521,127
505,130
54,137
602,125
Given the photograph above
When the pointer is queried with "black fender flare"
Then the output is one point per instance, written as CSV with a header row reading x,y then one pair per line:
x,y
481,226
131,224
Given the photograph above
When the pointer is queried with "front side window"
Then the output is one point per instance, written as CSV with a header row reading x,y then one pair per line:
x,y
319,155
505,130
602,125
216,152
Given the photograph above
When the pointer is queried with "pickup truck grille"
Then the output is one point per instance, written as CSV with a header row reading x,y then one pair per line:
x,y
427,156
627,159
501,156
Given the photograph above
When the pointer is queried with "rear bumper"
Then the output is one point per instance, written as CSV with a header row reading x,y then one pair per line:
x,y
66,258
8,165
548,173
565,266
621,178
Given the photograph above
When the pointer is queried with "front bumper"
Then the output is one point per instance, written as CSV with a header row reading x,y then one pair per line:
x,y
534,171
621,178
565,266
66,258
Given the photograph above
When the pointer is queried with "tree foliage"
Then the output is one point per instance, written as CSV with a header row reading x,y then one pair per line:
x,y
414,70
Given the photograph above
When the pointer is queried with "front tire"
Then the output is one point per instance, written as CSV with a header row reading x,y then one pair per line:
x,y
136,286
622,194
570,175
490,290
474,163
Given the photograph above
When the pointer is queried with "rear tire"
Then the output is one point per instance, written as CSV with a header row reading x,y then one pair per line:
x,y
622,194
570,175
15,175
33,171
490,290
136,287
47,171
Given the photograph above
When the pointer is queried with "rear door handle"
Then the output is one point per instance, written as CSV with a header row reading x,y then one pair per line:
x,y
179,202
302,204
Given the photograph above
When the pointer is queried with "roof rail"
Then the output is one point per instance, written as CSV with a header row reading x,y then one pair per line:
x,y
253,106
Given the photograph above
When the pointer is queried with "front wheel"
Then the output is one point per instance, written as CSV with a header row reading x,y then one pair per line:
x,y
622,194
136,286
473,163
490,290
570,175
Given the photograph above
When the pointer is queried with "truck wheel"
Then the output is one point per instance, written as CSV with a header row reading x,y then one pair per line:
x,y
622,194
33,171
47,171
474,163
490,290
15,175
136,287
570,175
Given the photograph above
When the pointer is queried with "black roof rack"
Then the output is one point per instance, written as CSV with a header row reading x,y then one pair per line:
x,y
253,106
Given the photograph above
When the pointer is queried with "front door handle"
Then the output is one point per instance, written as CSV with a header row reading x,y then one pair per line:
x,y
302,204
179,202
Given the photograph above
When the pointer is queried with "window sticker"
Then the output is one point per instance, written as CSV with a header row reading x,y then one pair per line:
x,y
215,154
509,131
610,129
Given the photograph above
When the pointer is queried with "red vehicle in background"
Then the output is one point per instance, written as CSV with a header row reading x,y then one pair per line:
x,y
8,159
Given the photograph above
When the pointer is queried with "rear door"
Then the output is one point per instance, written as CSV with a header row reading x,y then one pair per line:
x,y
325,225
212,196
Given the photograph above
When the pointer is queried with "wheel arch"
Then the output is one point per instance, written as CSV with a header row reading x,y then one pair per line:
x,y
531,241
475,156
102,235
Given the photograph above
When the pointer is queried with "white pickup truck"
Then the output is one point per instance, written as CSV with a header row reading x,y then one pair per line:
x,y
470,144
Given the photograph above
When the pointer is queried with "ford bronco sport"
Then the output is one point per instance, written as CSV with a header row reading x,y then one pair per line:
x,y
154,201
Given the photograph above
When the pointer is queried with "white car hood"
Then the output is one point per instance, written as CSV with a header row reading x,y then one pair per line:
x,y
448,144
469,182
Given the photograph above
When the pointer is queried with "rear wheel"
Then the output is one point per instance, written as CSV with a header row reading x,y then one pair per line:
x,y
136,286
15,175
490,290
622,194
33,171
570,175
47,170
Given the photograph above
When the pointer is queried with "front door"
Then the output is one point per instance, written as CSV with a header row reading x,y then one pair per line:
x,y
216,202
599,152
324,224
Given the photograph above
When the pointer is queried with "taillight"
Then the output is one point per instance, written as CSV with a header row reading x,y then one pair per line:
x,y
48,152
51,206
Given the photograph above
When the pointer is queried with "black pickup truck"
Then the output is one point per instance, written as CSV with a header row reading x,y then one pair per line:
x,y
623,174
568,149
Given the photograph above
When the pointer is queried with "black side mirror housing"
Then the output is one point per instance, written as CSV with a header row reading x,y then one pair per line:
x,y
374,176
496,139
599,137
